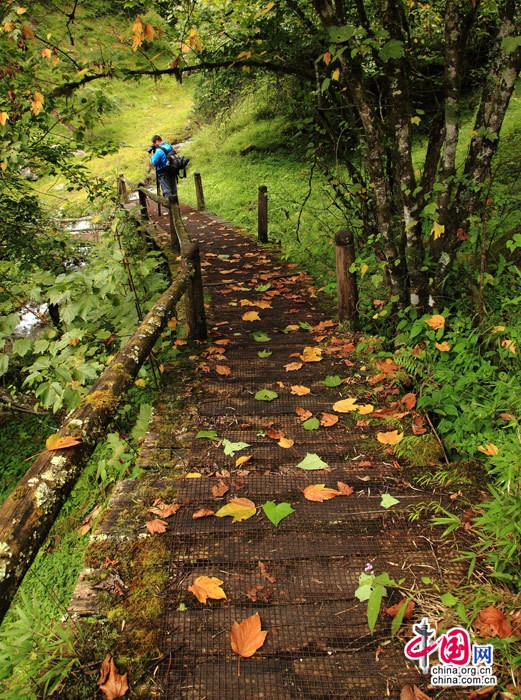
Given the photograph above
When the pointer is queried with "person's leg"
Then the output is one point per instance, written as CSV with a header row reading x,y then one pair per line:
x,y
166,185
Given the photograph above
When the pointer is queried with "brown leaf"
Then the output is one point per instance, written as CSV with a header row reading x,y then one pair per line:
x,y
300,390
409,401
163,510
156,526
328,419
202,513
86,524
247,636
491,622
205,587
252,592
344,489
220,489
414,693
393,610
319,493
222,370
293,366
274,434
264,572
303,414
111,683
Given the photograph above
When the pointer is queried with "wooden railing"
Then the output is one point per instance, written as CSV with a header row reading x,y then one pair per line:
x,y
29,512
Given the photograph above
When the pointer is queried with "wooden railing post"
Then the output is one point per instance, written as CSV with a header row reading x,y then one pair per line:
x,y
199,192
346,280
143,202
174,238
122,188
195,312
262,225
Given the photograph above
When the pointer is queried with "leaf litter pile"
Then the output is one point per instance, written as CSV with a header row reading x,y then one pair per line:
x,y
292,488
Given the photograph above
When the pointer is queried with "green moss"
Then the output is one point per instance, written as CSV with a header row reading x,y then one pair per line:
x,y
421,450
102,399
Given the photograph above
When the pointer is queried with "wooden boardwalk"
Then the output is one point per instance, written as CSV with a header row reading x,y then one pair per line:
x,y
266,387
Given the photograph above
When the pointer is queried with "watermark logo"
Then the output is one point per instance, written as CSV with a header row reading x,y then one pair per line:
x,y
460,663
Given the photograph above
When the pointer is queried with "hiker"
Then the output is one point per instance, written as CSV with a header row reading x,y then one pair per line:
x,y
158,151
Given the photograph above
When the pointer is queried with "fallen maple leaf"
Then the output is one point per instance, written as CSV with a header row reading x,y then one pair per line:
x,y
311,354
156,526
202,513
247,637
55,442
303,413
238,508
242,460
205,587
220,489
299,390
365,409
111,683
393,437
409,401
436,321
345,406
163,510
491,622
293,366
393,610
319,493
264,572
251,316
443,347
285,442
274,434
328,419
344,489
223,370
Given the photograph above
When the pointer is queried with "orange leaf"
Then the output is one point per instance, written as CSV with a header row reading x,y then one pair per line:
x,y
319,493
443,347
202,513
156,526
303,413
293,366
163,510
205,587
491,450
393,610
251,316
111,683
55,442
222,369
365,409
435,321
393,437
274,434
409,401
242,460
247,636
345,406
491,622
328,419
344,489
285,442
300,390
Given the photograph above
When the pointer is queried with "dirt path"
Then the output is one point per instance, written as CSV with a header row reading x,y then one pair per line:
x,y
300,576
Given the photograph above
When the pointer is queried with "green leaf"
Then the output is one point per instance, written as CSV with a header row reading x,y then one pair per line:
x,y
392,49
311,424
4,363
264,353
343,33
305,326
260,337
263,287
277,512
209,434
21,346
365,586
511,44
449,600
332,380
266,395
230,448
398,618
311,462
374,604
388,501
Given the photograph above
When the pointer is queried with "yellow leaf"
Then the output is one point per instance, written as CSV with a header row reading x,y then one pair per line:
x,y
491,450
299,390
319,493
285,442
140,382
37,103
242,460
415,120
437,230
363,269
55,442
311,355
393,437
193,475
435,321
3,118
21,10
443,347
238,508
247,636
346,406
327,58
336,74
251,316
365,409
205,587
510,345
